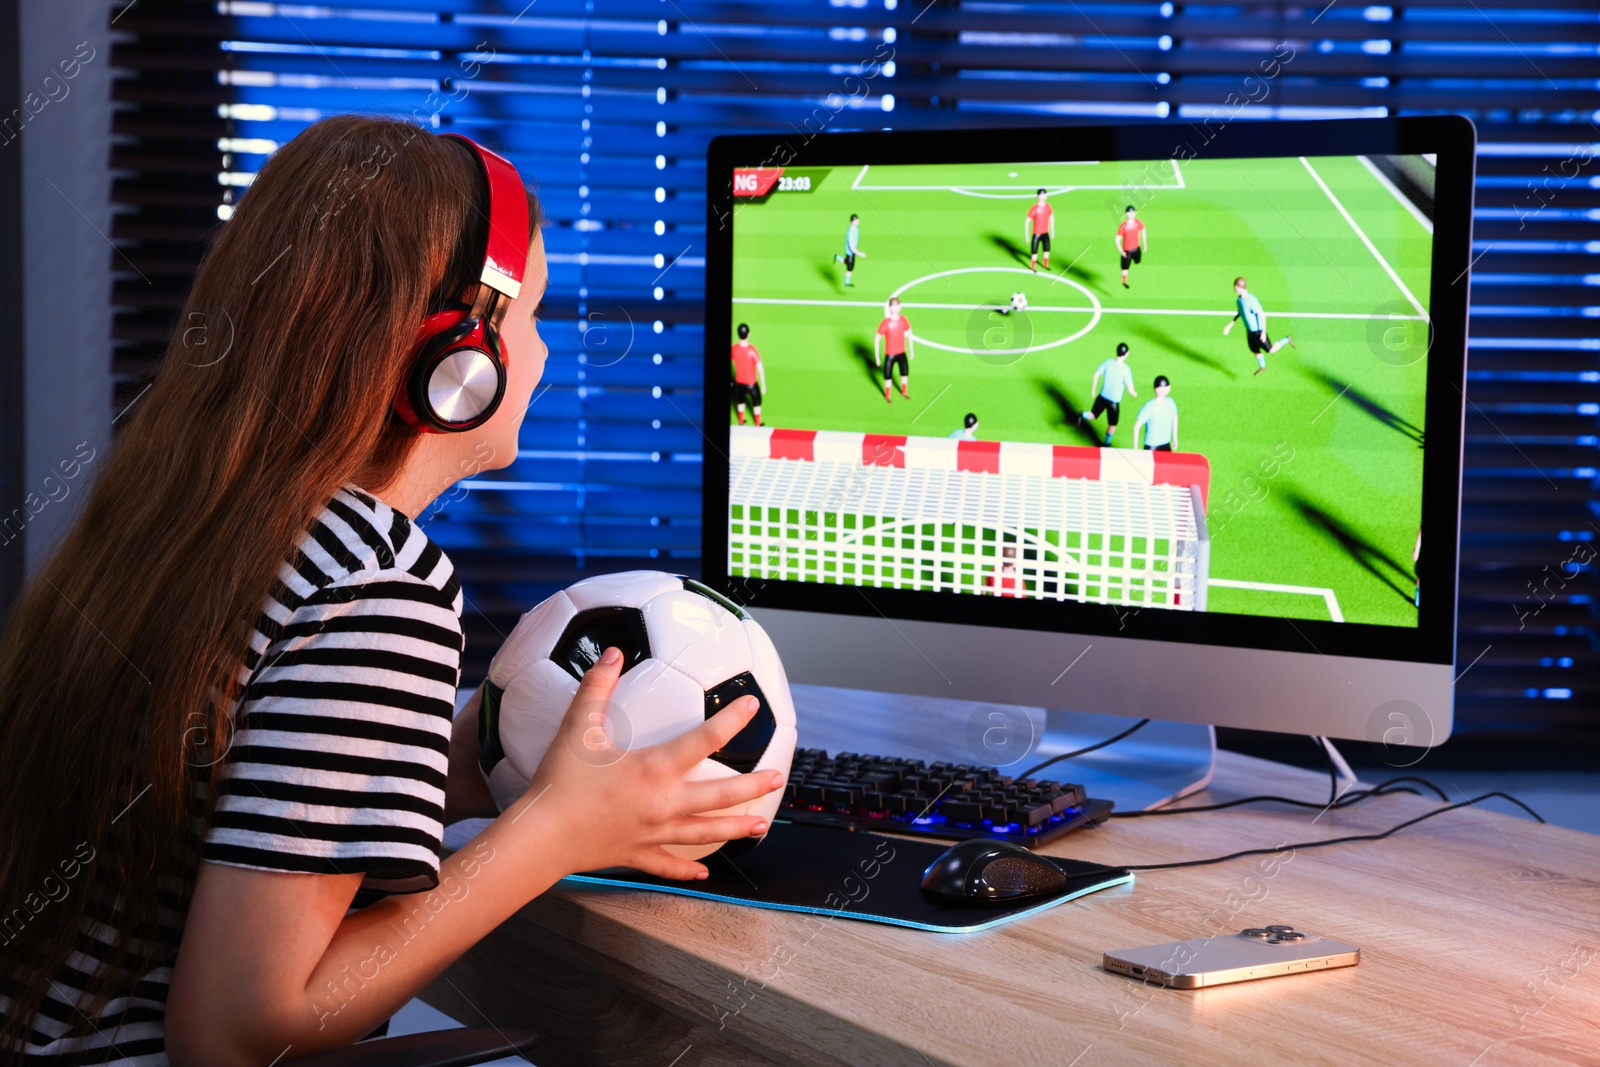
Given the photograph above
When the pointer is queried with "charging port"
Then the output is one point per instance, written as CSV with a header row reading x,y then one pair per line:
x,y
1136,970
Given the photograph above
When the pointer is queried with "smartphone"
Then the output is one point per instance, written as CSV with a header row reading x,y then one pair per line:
x,y
1258,952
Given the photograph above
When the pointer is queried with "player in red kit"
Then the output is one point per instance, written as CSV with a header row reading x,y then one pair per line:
x,y
1006,581
1040,227
749,376
898,347
1130,241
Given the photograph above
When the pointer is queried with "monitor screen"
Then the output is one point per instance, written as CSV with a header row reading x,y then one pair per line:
x,y
1177,384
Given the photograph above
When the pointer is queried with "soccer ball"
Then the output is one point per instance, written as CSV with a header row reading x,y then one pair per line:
x,y
1019,301
687,653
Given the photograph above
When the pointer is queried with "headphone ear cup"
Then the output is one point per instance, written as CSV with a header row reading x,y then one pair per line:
x,y
457,378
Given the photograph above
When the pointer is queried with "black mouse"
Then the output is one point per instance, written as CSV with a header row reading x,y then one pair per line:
x,y
988,871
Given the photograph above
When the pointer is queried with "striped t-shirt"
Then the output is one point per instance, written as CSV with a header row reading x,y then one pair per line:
x,y
339,754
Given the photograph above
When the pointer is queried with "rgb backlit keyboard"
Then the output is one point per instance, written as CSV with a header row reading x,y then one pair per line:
x,y
950,800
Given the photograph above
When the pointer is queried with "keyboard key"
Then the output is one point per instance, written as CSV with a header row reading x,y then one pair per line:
x,y
962,811
1031,815
842,795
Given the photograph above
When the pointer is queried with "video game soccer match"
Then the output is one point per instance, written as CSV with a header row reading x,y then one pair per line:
x,y
1194,385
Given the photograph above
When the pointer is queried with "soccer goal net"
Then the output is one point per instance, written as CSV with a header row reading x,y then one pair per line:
x,y
1053,522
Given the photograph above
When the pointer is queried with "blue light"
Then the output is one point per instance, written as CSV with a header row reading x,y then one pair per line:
x,y
1558,694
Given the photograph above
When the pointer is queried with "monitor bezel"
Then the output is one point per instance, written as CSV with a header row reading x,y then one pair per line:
x,y
1451,139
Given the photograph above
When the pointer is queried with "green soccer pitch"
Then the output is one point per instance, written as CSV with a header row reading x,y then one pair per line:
x,y
1316,463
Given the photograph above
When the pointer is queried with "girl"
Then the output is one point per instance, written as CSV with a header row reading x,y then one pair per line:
x,y
226,703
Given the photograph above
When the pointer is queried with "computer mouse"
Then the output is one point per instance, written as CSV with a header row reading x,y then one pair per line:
x,y
989,871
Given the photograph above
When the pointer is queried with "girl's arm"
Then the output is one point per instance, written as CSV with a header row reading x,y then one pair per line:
x,y
466,794
270,965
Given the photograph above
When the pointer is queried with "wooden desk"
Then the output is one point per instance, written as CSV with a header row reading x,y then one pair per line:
x,y
1480,937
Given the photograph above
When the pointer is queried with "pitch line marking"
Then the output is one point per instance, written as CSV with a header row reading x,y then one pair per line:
x,y
1272,587
1078,310
1012,192
1094,310
1405,201
1384,263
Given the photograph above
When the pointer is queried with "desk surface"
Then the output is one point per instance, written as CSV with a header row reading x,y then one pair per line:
x,y
1480,938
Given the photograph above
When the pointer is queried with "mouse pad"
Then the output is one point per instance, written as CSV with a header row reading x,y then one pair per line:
x,y
828,870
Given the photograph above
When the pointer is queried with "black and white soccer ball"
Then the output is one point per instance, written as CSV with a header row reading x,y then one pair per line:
x,y
687,653
1019,301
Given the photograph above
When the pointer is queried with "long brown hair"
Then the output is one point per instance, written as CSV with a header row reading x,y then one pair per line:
x,y
120,662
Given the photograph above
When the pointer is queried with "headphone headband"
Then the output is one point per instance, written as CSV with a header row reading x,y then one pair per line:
x,y
506,257
458,375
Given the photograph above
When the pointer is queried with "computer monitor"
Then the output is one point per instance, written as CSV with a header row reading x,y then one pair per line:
x,y
910,474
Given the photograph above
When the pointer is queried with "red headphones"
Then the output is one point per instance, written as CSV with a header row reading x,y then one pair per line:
x,y
458,367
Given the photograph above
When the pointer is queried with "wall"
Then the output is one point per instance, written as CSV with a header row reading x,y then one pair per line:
x,y
67,253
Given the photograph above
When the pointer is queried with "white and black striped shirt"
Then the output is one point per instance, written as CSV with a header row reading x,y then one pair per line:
x,y
339,756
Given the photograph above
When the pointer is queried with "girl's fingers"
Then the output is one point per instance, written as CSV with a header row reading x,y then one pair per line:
x,y
726,792
688,749
589,712
706,829
663,864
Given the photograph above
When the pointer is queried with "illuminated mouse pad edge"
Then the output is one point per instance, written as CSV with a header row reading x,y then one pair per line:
x,y
822,870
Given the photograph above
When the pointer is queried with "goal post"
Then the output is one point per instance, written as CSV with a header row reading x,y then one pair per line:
x,y
1051,522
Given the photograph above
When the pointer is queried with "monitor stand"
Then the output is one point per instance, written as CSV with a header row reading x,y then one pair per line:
x,y
1159,763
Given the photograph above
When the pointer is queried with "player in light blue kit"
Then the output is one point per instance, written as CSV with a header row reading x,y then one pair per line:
x,y
1111,378
1255,325
852,238
1158,419
968,431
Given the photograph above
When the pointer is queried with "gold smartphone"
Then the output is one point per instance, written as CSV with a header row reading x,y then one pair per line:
x,y
1258,952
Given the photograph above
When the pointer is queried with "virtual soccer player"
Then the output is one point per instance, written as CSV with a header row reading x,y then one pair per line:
x,y
1039,228
1006,582
1111,378
968,431
1158,419
749,376
899,347
1130,240
852,242
1255,325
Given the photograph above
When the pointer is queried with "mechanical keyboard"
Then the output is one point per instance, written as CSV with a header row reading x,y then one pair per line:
x,y
894,795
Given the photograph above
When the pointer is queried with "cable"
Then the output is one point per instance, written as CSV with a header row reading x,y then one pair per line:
x,y
1354,796
1336,840
1031,771
1333,770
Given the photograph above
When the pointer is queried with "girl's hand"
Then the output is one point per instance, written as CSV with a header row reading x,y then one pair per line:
x,y
602,806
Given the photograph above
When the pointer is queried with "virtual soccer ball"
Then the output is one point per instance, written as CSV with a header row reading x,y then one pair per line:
x,y
1019,301
687,653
